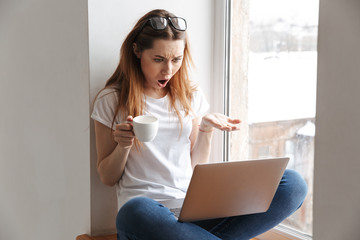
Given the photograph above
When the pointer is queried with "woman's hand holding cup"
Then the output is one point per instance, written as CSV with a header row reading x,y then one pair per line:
x,y
124,134
144,128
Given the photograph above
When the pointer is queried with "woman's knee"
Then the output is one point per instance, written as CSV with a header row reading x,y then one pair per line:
x,y
137,205
295,185
141,217
132,211
140,211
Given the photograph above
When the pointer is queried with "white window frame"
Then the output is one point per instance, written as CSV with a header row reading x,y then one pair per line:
x,y
221,100
220,74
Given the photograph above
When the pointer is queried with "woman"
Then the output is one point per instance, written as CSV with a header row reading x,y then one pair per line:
x,y
153,78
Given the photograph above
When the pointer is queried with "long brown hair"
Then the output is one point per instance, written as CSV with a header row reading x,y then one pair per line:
x,y
128,79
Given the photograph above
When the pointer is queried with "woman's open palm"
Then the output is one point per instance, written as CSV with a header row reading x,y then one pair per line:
x,y
219,121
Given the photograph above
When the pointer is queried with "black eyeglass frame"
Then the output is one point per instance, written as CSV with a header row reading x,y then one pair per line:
x,y
165,24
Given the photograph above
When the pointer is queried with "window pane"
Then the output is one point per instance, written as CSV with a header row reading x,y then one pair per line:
x,y
281,92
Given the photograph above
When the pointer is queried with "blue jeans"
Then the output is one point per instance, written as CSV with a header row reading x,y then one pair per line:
x,y
143,218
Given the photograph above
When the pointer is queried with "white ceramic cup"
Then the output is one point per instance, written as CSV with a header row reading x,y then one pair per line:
x,y
145,127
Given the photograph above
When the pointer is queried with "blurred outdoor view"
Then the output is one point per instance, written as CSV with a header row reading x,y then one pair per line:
x,y
282,74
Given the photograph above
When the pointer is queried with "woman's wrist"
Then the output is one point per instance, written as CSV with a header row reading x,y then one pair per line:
x,y
205,128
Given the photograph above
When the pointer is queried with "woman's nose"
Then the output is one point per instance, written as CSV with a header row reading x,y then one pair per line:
x,y
167,68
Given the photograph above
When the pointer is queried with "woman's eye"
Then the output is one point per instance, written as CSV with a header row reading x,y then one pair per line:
x,y
158,60
177,60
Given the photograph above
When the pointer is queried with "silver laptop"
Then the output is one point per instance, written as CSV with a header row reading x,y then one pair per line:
x,y
229,189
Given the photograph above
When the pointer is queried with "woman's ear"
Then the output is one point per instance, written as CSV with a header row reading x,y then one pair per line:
x,y
136,50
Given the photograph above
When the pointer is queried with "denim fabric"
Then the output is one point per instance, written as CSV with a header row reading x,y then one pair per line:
x,y
143,218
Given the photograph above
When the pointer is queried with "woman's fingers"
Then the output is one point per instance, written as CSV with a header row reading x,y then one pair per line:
x,y
221,122
124,138
234,120
129,118
123,133
124,127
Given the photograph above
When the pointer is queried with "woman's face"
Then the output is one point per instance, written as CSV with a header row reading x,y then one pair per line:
x,y
160,63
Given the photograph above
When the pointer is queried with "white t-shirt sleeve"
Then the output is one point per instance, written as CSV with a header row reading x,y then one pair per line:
x,y
104,108
199,104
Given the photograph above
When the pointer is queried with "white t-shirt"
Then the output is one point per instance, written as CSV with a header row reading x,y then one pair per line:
x,y
162,169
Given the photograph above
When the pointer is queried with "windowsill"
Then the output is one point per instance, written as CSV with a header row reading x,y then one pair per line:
x,y
282,232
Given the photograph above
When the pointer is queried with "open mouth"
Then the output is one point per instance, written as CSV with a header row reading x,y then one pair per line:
x,y
162,82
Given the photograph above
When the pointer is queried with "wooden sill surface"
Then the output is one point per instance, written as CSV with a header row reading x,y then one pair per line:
x,y
87,237
107,237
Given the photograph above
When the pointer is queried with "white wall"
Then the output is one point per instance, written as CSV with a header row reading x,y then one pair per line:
x,y
44,124
337,148
109,23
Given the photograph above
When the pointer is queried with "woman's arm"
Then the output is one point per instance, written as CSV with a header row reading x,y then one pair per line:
x,y
201,135
200,144
113,149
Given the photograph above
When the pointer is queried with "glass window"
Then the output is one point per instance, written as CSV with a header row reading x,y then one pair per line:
x,y
280,79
